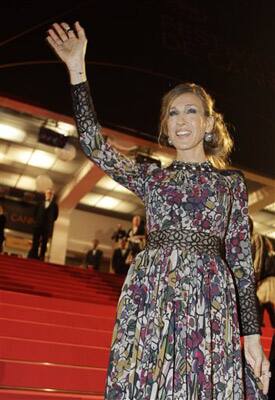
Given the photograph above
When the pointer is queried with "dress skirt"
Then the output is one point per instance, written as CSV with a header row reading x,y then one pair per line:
x,y
177,334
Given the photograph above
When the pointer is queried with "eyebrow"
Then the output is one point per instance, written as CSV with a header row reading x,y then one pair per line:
x,y
186,105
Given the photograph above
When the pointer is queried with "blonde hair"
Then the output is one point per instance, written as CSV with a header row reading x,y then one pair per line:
x,y
220,147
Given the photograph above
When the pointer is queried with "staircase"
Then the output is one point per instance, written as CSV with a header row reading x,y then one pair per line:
x,y
56,325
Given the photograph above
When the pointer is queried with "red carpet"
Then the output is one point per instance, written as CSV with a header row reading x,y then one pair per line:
x,y
56,327
55,330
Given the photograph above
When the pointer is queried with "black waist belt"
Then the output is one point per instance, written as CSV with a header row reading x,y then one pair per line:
x,y
196,242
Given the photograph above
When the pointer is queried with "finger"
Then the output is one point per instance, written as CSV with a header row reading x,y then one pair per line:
x,y
60,31
249,359
52,43
257,367
54,37
69,32
80,31
65,26
265,379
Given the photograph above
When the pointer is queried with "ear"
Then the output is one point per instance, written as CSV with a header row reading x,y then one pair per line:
x,y
209,124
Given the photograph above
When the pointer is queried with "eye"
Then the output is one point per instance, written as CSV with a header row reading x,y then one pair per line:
x,y
172,113
191,110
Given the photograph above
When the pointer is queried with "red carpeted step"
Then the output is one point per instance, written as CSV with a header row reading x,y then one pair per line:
x,y
49,287
65,279
24,396
266,344
46,279
60,377
93,335
82,298
267,331
66,306
6,394
47,268
59,318
51,352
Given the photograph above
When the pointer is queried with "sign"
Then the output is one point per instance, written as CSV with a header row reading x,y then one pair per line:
x,y
19,214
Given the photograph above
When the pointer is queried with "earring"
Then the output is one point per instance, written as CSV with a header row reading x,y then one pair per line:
x,y
208,137
170,142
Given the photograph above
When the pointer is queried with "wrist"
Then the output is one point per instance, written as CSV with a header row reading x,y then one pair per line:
x,y
77,75
252,338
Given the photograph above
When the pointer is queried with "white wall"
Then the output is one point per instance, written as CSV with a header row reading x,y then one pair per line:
x,y
86,226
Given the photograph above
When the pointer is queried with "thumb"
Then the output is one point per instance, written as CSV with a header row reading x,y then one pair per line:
x,y
257,367
80,31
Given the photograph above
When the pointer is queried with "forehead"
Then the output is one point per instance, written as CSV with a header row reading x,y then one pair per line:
x,y
187,99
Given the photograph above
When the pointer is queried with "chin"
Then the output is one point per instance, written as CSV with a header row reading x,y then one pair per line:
x,y
187,145
183,146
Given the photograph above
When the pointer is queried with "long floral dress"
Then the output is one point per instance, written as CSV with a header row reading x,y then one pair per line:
x,y
177,333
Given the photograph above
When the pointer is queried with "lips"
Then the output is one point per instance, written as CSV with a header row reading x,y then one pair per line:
x,y
183,133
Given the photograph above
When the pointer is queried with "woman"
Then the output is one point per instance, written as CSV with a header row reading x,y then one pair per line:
x,y
177,332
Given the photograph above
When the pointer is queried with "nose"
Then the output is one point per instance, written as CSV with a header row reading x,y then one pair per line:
x,y
181,120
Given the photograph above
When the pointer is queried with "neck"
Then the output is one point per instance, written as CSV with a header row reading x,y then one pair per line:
x,y
191,157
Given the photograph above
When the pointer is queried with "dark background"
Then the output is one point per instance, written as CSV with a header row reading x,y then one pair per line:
x,y
138,50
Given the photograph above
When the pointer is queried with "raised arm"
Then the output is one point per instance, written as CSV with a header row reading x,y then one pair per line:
x,y
70,45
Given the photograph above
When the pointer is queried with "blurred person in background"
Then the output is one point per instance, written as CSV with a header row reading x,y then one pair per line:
x,y
119,258
45,217
118,234
136,236
93,257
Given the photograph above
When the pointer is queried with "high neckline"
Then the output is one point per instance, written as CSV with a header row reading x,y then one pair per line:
x,y
192,165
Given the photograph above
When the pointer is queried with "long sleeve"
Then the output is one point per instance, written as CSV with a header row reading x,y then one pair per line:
x,y
238,256
125,171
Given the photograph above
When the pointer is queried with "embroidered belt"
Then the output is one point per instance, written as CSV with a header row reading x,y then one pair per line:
x,y
195,242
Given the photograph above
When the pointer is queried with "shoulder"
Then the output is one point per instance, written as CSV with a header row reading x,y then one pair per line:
x,y
233,175
150,168
231,172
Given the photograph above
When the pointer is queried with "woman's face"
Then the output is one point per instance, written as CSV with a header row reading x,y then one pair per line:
x,y
187,122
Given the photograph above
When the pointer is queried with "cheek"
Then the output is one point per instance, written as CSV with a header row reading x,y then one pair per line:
x,y
199,125
170,125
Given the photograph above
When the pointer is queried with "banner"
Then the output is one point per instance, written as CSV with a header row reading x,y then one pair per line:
x,y
19,214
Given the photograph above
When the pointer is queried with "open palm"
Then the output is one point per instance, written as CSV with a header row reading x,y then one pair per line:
x,y
68,44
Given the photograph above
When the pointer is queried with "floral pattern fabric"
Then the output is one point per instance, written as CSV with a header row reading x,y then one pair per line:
x,y
184,300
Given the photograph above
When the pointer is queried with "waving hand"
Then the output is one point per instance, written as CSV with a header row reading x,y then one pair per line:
x,y
70,46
